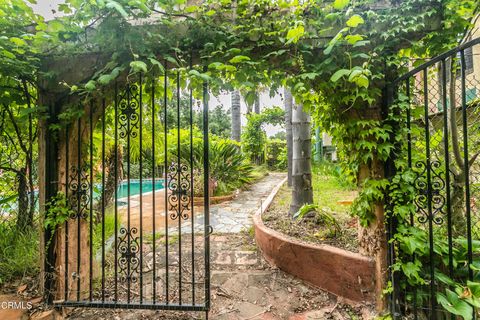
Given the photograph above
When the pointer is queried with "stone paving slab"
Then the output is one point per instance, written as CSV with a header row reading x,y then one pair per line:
x,y
235,215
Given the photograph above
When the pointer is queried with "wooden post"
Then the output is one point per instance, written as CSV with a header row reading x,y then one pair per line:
x,y
53,172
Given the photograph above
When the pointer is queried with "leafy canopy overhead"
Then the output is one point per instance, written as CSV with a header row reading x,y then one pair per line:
x,y
336,56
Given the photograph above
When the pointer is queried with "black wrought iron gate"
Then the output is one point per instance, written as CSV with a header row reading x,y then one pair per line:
x,y
435,250
133,202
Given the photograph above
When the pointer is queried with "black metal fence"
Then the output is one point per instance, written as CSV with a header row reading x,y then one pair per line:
x,y
134,193
435,251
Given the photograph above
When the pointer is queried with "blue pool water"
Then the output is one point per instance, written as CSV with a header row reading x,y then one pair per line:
x,y
122,190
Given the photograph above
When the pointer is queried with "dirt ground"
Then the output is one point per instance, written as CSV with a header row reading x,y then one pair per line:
x,y
310,229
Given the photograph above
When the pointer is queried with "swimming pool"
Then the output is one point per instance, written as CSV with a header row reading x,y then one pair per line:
x,y
122,190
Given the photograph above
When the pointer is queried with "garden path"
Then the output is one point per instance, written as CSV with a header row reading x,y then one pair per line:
x,y
236,215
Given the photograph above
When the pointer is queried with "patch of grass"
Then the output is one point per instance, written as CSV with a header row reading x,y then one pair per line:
x,y
109,229
248,243
19,252
172,239
149,237
259,172
329,187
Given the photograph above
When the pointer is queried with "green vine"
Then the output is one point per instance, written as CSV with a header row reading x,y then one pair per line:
x,y
58,212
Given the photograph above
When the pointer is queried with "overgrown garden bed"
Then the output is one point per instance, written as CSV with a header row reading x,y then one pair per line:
x,y
333,196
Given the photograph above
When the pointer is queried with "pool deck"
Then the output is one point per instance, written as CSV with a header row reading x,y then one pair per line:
x,y
227,217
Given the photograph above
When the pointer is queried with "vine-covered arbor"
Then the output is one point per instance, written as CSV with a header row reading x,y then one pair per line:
x,y
108,73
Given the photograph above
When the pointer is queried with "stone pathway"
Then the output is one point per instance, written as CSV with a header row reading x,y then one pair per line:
x,y
243,285
236,215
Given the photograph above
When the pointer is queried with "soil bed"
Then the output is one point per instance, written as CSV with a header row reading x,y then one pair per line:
x,y
308,229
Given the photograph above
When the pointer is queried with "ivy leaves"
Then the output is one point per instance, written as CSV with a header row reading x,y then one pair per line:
x,y
340,4
295,34
356,75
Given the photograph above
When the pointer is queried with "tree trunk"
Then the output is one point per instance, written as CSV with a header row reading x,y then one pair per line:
x,y
110,179
459,222
372,239
288,128
24,218
257,103
318,145
236,116
302,192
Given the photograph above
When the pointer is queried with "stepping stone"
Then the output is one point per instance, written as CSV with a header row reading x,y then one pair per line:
x,y
246,258
223,258
236,284
249,310
220,277
255,295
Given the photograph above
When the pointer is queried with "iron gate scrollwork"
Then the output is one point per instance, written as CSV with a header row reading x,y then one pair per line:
x,y
441,104
127,166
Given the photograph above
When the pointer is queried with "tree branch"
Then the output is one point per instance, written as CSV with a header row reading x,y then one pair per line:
x,y
11,170
17,130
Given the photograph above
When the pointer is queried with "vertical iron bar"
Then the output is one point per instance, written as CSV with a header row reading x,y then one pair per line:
x,y
67,172
116,192
128,233
409,129
165,101
429,195
154,288
179,186
103,199
409,151
206,175
79,177
141,187
447,165
466,162
192,195
91,202
51,188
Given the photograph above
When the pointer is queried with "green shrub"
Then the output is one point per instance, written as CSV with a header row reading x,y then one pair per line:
x,y
229,167
326,168
277,154
19,252
254,138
